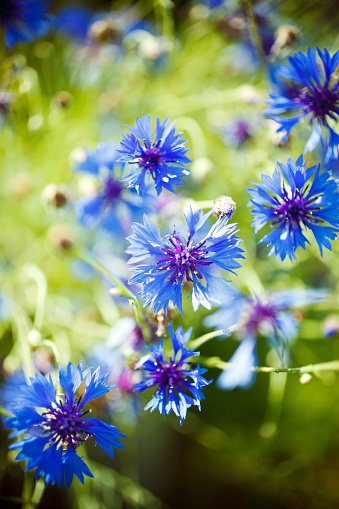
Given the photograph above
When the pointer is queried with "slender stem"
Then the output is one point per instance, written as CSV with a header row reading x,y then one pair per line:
x,y
254,32
125,292
23,326
38,492
206,337
96,264
27,491
216,362
36,273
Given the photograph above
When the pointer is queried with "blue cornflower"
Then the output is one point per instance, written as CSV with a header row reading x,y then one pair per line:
x,y
162,157
265,315
113,207
53,425
175,261
296,207
314,95
178,384
22,20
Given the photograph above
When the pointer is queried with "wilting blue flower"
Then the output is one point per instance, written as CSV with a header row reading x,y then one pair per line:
x,y
22,20
54,426
265,315
163,156
295,205
113,207
175,261
315,96
178,384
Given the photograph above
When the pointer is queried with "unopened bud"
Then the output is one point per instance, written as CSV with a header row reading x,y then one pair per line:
x,y
62,99
224,206
115,292
287,35
305,378
54,196
61,237
104,31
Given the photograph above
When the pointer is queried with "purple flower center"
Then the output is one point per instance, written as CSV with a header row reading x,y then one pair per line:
x,y
64,423
150,159
183,260
321,102
10,10
112,190
241,131
295,209
260,313
169,375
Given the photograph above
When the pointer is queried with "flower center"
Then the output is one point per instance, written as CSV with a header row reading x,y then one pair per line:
x,y
170,375
64,424
321,102
183,260
112,190
150,159
295,209
259,314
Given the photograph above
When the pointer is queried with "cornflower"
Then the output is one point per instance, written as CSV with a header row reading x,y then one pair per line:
x,y
53,425
295,205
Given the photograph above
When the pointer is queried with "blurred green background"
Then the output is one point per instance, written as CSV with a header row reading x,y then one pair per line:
x,y
275,445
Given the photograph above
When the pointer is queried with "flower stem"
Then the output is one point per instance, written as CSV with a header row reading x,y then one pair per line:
x,y
206,337
125,292
216,362
34,272
253,30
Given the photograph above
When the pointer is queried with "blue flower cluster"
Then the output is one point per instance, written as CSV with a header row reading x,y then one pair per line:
x,y
294,202
54,426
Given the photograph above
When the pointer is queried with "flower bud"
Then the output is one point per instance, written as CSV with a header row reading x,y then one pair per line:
x,y
305,378
62,99
224,206
60,236
104,31
54,196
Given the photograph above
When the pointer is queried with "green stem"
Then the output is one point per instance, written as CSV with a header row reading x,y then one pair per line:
x,y
206,337
253,29
34,272
27,491
23,326
125,292
216,362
